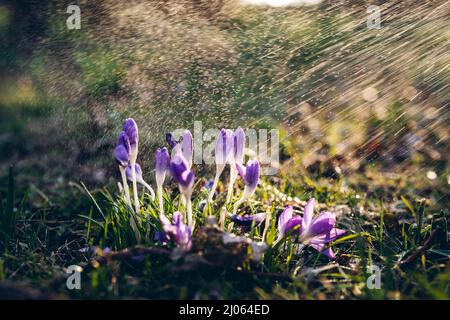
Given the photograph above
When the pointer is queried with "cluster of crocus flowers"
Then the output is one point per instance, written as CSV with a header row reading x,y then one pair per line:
x,y
316,232
309,230
126,155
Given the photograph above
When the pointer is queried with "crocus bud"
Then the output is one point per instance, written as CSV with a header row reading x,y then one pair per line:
x,y
250,173
122,150
183,234
181,173
162,161
223,147
131,129
236,157
238,140
222,151
187,147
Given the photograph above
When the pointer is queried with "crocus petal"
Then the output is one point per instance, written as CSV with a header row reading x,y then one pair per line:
x,y
162,161
223,146
322,224
122,155
187,147
329,253
285,216
180,172
241,169
177,166
170,139
180,232
333,234
316,245
122,150
293,223
177,218
131,129
308,213
252,174
238,139
328,237
138,172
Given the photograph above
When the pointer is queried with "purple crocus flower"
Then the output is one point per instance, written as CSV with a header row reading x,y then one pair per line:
x,y
122,155
313,231
236,157
248,219
122,150
181,173
187,147
250,173
139,178
185,178
171,141
238,139
179,232
162,162
131,130
222,151
223,147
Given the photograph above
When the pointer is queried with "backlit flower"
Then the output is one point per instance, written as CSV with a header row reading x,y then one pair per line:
x,y
250,174
222,151
313,231
236,157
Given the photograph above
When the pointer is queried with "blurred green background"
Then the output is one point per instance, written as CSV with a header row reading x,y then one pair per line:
x,y
346,98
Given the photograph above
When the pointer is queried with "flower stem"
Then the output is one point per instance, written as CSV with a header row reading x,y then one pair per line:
x,y
237,204
149,188
233,176
160,199
189,211
214,187
135,191
125,186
